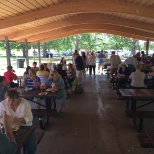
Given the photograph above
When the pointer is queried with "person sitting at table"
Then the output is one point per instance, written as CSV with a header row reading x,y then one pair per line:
x,y
123,70
63,61
42,74
123,74
7,140
71,74
62,73
32,81
20,110
55,81
46,67
26,73
3,88
137,78
10,76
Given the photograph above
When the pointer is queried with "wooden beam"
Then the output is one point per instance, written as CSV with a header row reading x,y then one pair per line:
x,y
72,7
92,26
88,30
82,19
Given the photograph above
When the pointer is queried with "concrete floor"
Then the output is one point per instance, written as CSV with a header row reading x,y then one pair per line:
x,y
93,123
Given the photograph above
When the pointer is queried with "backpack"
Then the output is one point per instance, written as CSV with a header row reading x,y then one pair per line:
x,y
78,89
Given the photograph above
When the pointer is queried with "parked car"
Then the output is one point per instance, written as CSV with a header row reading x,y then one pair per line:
x,y
67,53
35,53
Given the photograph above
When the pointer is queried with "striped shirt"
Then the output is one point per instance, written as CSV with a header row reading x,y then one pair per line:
x,y
30,83
43,75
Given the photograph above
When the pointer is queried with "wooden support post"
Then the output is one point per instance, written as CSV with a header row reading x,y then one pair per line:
x,y
39,53
26,49
7,51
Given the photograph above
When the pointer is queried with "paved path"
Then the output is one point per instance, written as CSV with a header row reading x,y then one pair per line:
x,y
93,123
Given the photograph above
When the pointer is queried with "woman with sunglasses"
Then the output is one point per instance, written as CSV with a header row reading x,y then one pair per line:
x,y
57,82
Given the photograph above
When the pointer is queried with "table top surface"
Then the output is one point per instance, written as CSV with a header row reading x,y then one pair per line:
x,y
140,93
22,134
39,93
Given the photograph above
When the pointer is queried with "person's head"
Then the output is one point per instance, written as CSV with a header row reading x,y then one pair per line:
x,y
138,66
113,52
27,69
62,58
9,68
2,80
59,66
83,54
32,73
12,97
70,66
142,52
54,75
34,64
76,55
41,67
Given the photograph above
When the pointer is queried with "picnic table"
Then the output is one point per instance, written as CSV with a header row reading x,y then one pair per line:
x,y
40,93
22,134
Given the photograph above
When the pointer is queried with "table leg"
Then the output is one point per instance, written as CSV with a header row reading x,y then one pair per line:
x,y
54,103
133,105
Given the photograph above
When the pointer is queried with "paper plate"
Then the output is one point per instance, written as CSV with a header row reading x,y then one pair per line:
x,y
43,93
15,127
49,89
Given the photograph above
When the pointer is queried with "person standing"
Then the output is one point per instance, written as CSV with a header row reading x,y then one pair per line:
x,y
79,67
114,61
92,63
101,57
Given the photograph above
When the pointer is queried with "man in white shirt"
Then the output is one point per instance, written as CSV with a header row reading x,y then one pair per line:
x,y
114,61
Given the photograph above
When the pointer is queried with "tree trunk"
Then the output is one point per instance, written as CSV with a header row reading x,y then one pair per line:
x,y
76,42
45,50
133,46
23,50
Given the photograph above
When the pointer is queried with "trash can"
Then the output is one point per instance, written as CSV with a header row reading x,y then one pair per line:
x,y
20,63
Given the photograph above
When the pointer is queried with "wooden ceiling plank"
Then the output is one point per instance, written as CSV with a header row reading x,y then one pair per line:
x,y
42,3
18,4
34,3
10,7
28,4
77,7
49,2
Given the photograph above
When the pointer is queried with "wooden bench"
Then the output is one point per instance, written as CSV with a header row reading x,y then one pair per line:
x,y
141,115
40,113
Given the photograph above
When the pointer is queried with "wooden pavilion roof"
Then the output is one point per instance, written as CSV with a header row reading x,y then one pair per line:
x,y
45,20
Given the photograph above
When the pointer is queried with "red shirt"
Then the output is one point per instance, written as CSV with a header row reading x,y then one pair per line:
x,y
10,76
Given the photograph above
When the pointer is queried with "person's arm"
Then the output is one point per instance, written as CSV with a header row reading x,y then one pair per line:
x,y
14,76
7,122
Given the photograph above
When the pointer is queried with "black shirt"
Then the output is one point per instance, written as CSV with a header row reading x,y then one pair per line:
x,y
79,63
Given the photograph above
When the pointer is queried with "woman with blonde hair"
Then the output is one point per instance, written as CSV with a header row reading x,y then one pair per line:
x,y
137,77
55,81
